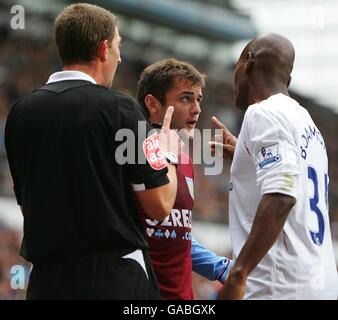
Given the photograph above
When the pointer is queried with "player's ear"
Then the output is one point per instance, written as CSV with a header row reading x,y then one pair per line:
x,y
290,79
102,50
249,61
152,104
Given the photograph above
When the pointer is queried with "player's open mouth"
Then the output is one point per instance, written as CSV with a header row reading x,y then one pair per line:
x,y
192,123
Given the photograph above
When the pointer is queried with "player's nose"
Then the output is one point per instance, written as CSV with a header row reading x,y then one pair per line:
x,y
196,108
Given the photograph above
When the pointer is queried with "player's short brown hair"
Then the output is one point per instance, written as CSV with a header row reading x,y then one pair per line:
x,y
80,28
159,77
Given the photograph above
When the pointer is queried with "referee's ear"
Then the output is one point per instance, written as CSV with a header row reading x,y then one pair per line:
x,y
153,105
102,50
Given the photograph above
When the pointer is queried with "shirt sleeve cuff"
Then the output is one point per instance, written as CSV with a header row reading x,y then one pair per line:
x,y
225,272
159,181
283,183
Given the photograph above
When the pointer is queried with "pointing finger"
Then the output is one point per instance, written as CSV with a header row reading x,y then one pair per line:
x,y
167,118
219,124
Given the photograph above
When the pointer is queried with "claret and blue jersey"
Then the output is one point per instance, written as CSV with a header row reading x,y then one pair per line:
x,y
174,251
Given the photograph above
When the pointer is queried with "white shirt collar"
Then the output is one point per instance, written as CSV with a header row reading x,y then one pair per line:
x,y
70,75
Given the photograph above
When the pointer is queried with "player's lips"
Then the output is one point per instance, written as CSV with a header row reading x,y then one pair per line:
x,y
192,123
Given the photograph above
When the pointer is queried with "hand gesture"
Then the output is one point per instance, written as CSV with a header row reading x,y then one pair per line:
x,y
228,140
169,139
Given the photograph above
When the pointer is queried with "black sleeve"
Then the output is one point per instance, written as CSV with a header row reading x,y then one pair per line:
x,y
10,155
140,174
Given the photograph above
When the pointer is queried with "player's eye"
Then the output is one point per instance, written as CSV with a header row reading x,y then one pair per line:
x,y
186,99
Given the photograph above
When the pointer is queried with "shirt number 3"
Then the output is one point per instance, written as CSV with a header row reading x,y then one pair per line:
x,y
318,236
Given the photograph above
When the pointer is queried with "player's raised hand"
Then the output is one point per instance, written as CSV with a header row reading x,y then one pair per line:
x,y
169,139
228,140
167,118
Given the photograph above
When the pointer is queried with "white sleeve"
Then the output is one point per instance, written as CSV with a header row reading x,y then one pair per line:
x,y
273,150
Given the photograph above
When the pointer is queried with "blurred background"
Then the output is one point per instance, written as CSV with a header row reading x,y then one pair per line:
x,y
208,33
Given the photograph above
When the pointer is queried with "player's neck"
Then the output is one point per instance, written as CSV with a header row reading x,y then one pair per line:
x,y
262,91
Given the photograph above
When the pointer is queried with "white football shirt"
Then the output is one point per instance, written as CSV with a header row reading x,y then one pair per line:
x,y
280,150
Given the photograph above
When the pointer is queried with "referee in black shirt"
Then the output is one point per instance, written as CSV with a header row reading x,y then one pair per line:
x,y
81,228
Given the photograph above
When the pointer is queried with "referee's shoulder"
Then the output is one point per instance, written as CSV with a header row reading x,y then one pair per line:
x,y
18,105
22,99
15,111
120,100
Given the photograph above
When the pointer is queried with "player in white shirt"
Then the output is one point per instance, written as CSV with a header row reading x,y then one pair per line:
x,y
279,220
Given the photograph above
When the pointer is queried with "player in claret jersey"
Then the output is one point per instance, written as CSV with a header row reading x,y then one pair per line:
x,y
279,221
173,250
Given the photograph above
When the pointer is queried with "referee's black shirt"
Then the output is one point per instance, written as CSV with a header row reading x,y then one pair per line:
x,y
60,142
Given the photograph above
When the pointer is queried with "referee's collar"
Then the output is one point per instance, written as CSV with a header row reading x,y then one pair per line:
x,y
70,75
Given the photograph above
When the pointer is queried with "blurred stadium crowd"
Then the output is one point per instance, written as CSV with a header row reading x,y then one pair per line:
x,y
25,64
